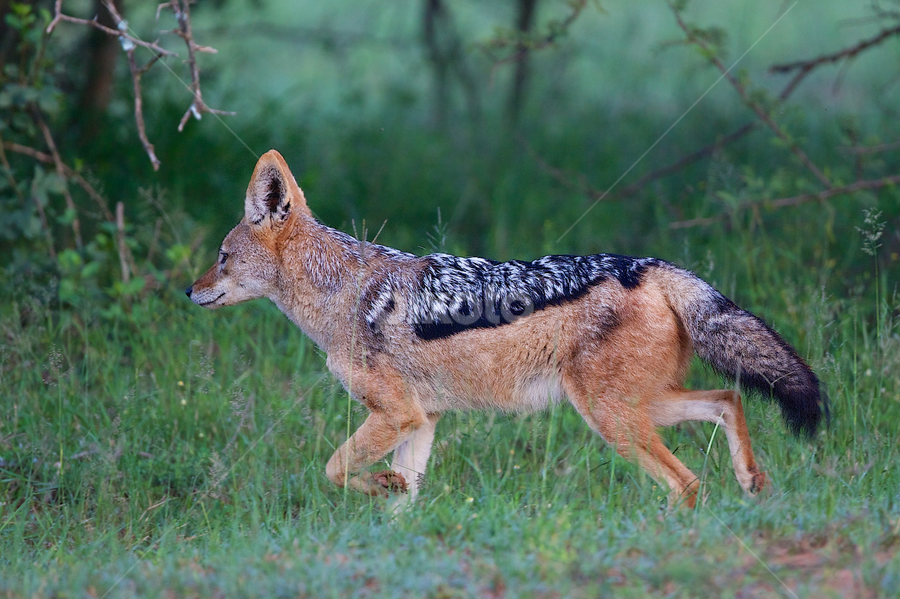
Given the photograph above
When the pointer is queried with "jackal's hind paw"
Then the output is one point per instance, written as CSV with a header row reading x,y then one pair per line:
x,y
392,481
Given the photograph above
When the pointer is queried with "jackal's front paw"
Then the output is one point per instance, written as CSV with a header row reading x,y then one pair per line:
x,y
392,482
757,483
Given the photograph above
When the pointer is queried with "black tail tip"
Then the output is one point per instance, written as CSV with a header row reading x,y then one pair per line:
x,y
803,411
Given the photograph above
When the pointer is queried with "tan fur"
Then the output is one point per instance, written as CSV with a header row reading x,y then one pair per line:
x,y
625,380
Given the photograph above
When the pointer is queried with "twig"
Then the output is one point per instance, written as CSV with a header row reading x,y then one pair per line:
x,y
84,454
136,74
8,170
584,187
824,195
154,241
793,201
69,172
40,209
61,172
674,167
683,162
59,16
120,229
873,149
805,67
126,258
523,47
846,53
43,216
752,104
182,10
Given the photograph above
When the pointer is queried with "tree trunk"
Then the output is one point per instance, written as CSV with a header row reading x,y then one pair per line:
x,y
524,23
103,51
432,15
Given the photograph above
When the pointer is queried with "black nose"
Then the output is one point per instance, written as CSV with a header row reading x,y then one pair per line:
x,y
188,291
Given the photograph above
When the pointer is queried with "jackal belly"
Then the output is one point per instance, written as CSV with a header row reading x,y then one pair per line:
x,y
442,392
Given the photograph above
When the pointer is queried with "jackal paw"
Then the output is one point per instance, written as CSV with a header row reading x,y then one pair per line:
x,y
392,482
757,483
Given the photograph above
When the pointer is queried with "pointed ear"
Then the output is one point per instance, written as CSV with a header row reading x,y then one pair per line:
x,y
273,194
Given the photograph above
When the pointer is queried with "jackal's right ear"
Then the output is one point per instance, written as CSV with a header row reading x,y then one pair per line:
x,y
273,194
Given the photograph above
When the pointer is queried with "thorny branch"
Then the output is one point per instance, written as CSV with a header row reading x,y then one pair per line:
x,y
15,186
136,74
522,46
584,187
895,145
68,171
120,33
181,9
755,106
61,172
795,200
803,68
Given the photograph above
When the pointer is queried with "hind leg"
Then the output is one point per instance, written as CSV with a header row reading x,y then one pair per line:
x,y
724,408
625,425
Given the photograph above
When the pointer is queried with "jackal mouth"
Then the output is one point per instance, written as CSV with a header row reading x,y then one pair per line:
x,y
212,301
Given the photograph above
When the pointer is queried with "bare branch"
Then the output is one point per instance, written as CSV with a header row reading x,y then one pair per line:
x,y
828,193
69,172
845,54
582,186
579,182
182,10
676,166
524,46
805,67
764,116
120,237
136,74
873,149
59,16
40,209
864,185
61,172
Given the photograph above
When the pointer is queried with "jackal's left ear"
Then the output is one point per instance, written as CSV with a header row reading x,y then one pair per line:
x,y
273,194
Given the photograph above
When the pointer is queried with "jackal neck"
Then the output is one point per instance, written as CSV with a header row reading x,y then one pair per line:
x,y
318,280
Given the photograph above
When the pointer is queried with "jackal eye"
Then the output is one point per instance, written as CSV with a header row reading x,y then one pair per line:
x,y
223,256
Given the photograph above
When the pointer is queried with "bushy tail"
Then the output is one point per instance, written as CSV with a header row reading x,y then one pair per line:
x,y
743,348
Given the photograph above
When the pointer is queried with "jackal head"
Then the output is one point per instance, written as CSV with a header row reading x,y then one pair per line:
x,y
248,263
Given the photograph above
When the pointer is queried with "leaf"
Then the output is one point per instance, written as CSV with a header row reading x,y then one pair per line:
x,y
69,261
48,100
67,217
178,253
90,269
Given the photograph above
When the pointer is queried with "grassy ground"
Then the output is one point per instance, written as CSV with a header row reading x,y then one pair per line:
x,y
151,448
172,449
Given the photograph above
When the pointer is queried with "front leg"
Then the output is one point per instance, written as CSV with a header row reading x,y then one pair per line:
x,y
382,431
410,459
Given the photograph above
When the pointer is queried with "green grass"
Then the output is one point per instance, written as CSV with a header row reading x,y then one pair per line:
x,y
193,448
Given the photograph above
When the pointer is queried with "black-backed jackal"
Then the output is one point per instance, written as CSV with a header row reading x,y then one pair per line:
x,y
411,337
